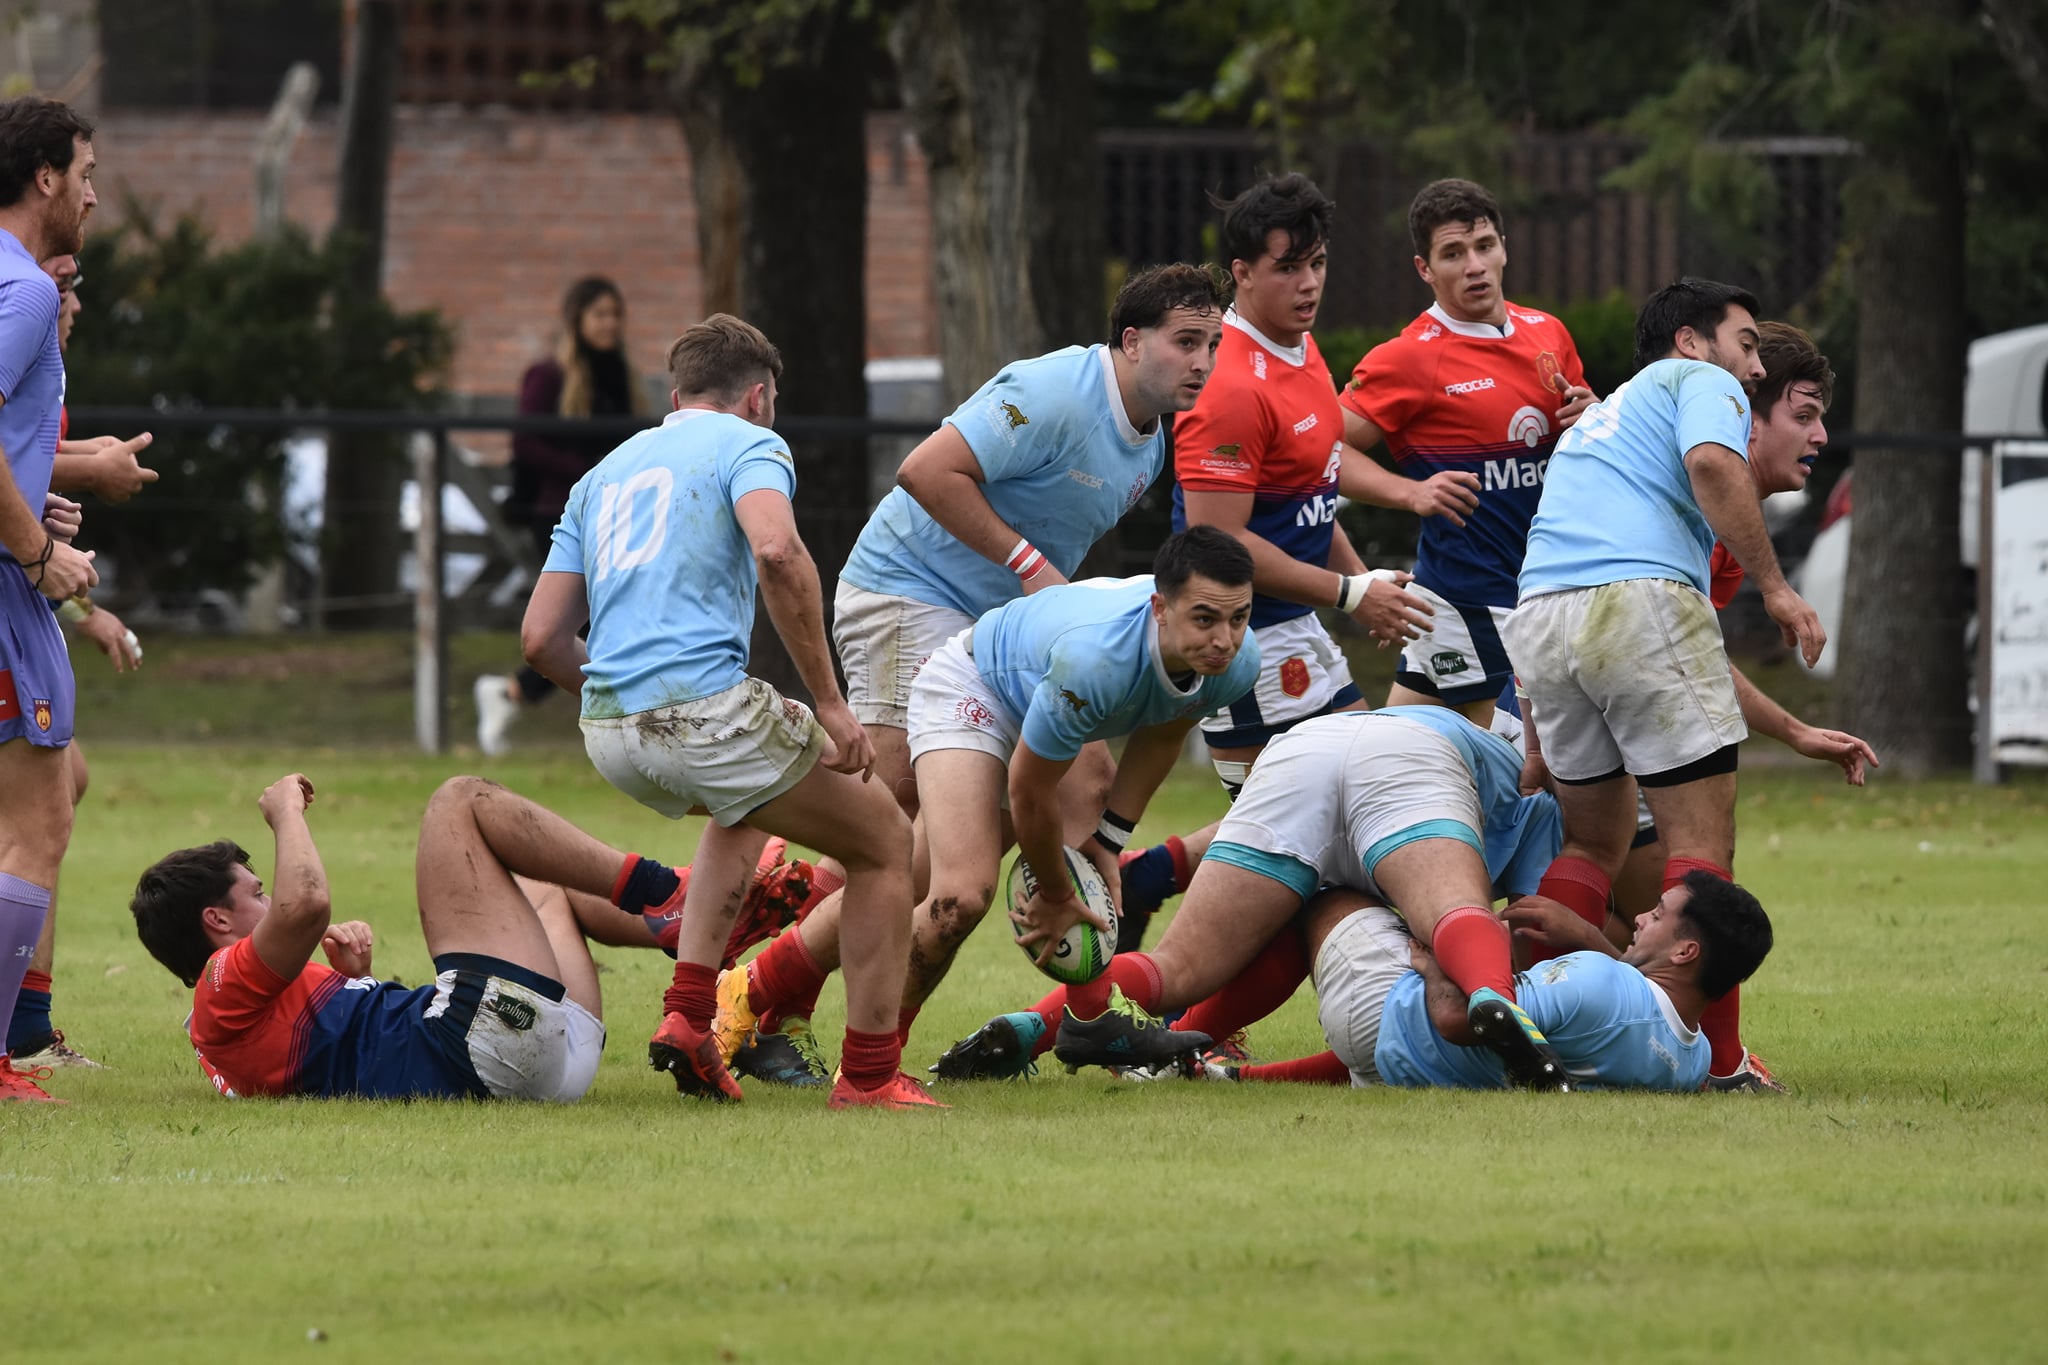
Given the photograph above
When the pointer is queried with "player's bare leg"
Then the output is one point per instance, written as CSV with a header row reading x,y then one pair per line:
x,y
561,920
1697,819
892,765
1441,888
32,1039
474,836
966,849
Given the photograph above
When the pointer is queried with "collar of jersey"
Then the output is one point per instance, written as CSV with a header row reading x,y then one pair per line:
x,y
1297,355
1485,331
681,415
1132,436
1159,663
12,244
1671,1012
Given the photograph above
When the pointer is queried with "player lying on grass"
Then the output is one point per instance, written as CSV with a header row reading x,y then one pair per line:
x,y
1001,711
507,893
1415,805
1626,1020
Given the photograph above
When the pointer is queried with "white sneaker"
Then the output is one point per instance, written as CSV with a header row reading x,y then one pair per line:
x,y
494,712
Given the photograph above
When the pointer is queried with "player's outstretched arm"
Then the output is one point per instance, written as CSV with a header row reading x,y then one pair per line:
x,y
300,907
1767,717
104,465
789,588
559,607
945,478
1545,923
1726,494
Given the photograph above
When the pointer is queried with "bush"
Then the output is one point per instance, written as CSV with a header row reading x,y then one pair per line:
x,y
173,322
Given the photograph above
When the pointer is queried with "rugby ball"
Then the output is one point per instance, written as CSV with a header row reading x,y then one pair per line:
x,y
1084,951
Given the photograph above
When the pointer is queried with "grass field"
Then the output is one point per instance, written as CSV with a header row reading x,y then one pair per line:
x,y
1895,1207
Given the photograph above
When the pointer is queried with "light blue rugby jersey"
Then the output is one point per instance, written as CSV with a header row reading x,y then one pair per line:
x,y
1617,503
1081,662
31,372
1060,462
1523,833
1610,1024
669,572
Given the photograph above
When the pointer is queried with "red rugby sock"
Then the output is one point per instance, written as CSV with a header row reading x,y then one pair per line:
x,y
1721,1021
1135,974
803,1004
823,884
1579,884
1474,950
784,971
693,993
1049,1009
870,1060
1676,868
1178,851
1321,1069
1264,986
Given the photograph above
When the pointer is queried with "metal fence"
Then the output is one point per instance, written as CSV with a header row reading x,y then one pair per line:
x,y
437,466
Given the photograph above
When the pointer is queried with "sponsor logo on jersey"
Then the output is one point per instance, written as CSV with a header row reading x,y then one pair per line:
x,y
1294,676
1531,318
1307,423
1082,476
1336,462
1446,662
1512,474
1138,487
1321,511
1529,425
42,713
1736,403
1431,332
1469,386
1226,459
1074,699
1016,416
1259,364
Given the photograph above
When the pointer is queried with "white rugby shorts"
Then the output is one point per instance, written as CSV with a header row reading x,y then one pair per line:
x,y
1355,970
1336,794
1460,657
882,641
953,707
1630,675
522,1044
1302,673
726,754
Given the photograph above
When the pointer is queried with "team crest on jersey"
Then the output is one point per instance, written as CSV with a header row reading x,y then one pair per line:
x,y
1549,373
1529,425
1736,403
1016,416
1138,487
1074,699
1294,676
42,713
1431,332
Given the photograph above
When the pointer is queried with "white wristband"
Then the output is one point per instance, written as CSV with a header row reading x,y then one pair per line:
x,y
1351,591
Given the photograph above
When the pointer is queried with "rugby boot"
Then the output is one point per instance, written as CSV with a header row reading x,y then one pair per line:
x,y
691,1059
1124,1036
902,1092
734,1022
998,1050
21,1085
1507,1029
52,1050
789,1056
1752,1075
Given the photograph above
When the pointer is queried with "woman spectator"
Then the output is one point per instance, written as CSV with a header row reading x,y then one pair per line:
x,y
588,376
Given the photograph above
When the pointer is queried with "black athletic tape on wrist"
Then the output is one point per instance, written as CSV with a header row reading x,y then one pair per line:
x,y
1112,831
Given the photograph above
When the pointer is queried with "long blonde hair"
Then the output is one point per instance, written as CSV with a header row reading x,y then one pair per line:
x,y
576,380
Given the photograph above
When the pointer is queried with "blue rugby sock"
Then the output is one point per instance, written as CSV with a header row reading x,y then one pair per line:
x,y
22,907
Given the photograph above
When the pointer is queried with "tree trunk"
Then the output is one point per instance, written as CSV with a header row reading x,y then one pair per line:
x,y
1002,101
361,541
1904,677
781,214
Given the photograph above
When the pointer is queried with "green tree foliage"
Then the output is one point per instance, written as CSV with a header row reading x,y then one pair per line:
x,y
173,322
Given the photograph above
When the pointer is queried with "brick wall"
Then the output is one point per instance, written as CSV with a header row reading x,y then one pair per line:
x,y
493,212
